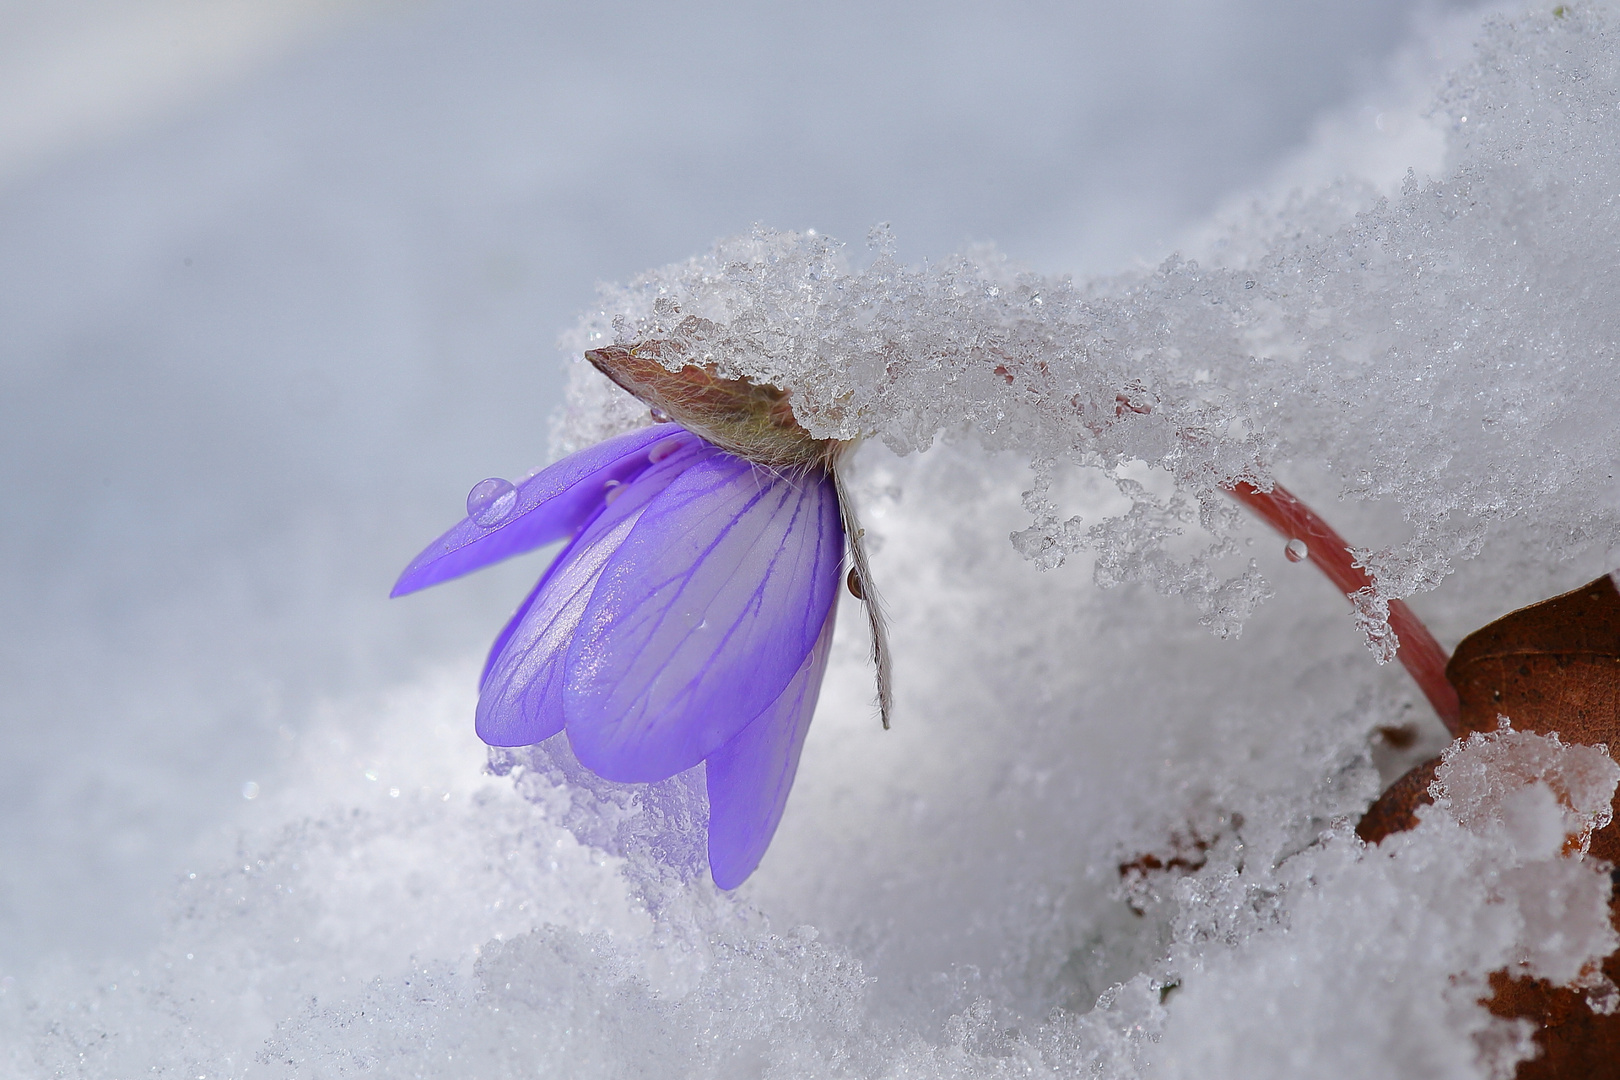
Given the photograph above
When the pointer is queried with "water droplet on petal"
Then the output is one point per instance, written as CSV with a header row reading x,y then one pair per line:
x,y
662,450
660,416
491,502
612,490
1296,550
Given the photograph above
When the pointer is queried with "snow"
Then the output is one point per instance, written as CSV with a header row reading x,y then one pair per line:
x,y
1466,297
1427,358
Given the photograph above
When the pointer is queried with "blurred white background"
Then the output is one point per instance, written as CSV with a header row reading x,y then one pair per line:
x,y
280,279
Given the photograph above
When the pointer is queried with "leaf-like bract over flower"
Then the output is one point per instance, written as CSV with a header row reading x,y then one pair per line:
x,y
751,420
689,614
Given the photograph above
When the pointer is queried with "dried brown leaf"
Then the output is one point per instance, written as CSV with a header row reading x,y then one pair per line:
x,y
1550,667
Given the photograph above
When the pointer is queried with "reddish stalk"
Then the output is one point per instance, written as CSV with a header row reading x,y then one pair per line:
x,y
1418,652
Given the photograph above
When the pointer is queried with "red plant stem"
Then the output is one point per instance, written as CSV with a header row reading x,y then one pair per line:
x,y
1418,652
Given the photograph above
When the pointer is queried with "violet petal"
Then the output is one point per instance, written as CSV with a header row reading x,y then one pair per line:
x,y
519,698
701,617
499,645
750,776
551,504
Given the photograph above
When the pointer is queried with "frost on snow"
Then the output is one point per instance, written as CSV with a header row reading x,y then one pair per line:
x,y
1099,842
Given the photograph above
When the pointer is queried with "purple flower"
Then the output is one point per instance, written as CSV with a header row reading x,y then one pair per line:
x,y
690,612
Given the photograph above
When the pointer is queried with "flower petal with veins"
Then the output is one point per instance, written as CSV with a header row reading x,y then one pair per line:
x,y
702,616
551,504
750,776
687,618
520,696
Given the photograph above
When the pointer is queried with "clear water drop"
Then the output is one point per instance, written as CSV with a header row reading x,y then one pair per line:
x,y
1296,550
660,416
491,501
662,450
612,490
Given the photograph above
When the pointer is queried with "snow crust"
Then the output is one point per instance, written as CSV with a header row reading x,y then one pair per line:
x,y
1422,350
1100,842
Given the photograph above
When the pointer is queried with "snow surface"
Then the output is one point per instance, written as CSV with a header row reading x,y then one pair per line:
x,y
1428,360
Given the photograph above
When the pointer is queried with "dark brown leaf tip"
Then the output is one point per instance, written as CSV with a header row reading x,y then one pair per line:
x,y
1552,666
1396,809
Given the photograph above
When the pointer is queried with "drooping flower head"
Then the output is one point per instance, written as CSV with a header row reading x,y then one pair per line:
x,y
689,614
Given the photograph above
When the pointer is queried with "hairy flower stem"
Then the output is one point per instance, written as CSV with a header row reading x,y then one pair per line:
x,y
1418,652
